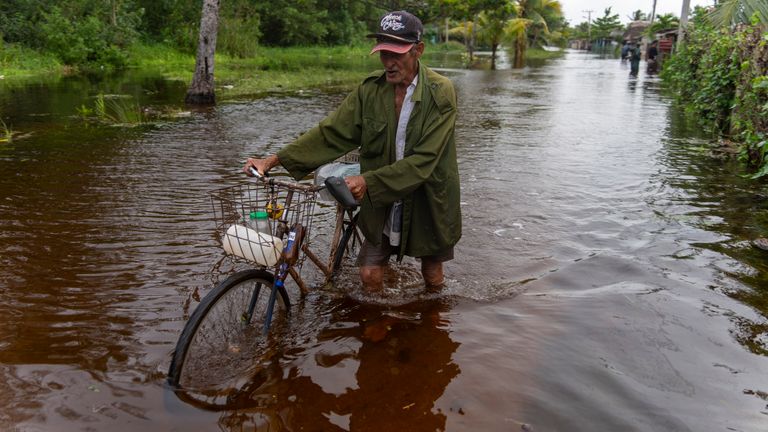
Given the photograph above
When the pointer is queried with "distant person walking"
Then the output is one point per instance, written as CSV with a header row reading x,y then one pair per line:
x,y
651,57
625,51
634,58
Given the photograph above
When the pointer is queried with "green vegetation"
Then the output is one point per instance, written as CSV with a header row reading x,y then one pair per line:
x,y
273,69
542,54
18,60
720,75
661,23
604,25
90,35
6,133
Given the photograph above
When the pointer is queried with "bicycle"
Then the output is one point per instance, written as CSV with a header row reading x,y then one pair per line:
x,y
230,327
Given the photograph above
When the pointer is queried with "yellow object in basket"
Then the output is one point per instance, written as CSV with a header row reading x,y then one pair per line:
x,y
274,210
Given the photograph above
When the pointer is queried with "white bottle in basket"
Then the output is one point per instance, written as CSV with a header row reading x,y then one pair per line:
x,y
254,246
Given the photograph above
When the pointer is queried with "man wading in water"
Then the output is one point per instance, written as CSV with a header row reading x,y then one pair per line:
x,y
402,120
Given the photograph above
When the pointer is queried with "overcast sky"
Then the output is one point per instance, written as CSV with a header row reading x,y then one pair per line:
x,y
573,9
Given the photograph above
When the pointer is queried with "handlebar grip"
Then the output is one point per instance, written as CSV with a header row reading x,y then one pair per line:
x,y
256,173
341,193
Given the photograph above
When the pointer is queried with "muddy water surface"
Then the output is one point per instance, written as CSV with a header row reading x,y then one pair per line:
x,y
604,281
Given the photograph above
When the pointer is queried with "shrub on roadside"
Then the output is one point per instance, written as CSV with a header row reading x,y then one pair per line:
x,y
721,75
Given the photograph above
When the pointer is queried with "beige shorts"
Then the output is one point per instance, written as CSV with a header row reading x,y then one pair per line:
x,y
372,255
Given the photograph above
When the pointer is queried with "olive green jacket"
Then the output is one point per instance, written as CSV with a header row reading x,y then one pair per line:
x,y
426,179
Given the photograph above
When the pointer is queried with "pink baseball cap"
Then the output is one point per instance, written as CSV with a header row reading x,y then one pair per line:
x,y
385,45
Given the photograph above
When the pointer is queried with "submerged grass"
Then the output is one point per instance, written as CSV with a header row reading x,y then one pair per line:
x,y
6,133
114,110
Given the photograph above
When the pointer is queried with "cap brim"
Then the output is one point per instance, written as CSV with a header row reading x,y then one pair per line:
x,y
391,37
392,47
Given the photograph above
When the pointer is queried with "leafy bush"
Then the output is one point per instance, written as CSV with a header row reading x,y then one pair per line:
x,y
86,41
716,84
721,75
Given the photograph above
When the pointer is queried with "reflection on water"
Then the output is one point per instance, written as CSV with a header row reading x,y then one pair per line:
x,y
366,369
604,280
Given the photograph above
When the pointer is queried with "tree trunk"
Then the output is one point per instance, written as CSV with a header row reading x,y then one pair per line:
x,y
446,29
468,40
520,44
114,13
493,55
201,91
474,37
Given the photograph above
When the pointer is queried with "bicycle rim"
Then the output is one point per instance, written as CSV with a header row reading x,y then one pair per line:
x,y
220,347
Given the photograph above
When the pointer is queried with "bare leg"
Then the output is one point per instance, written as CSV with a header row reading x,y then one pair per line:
x,y
432,271
372,278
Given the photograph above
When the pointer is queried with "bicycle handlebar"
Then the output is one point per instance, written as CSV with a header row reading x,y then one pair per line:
x,y
288,185
336,186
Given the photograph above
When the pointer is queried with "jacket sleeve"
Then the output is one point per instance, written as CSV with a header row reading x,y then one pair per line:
x,y
334,136
392,182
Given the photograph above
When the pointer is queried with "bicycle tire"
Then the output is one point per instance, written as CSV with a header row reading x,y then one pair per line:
x,y
342,247
219,343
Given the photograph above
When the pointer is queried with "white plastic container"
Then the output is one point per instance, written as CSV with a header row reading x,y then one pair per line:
x,y
254,246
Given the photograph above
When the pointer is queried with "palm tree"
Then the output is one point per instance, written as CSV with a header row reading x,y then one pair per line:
x,y
530,14
491,27
638,15
730,12
663,22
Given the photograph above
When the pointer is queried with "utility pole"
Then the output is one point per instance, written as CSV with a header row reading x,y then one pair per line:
x,y
589,26
653,12
683,21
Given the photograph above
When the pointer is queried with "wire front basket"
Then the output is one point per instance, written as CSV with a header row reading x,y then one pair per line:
x,y
253,219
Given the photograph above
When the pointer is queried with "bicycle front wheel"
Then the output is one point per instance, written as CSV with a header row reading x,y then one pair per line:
x,y
224,338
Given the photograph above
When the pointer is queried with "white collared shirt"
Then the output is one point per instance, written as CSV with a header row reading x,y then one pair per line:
x,y
402,126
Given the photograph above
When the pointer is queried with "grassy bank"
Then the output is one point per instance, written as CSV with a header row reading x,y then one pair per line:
x,y
18,61
271,70
277,69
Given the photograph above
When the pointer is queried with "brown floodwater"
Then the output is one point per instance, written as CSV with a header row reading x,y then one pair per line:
x,y
605,279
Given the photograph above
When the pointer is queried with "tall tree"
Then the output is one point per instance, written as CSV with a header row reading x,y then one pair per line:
x,y
201,91
603,26
491,24
663,22
530,14
552,19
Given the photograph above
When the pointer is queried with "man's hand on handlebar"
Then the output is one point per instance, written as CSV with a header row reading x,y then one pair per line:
x,y
357,186
261,165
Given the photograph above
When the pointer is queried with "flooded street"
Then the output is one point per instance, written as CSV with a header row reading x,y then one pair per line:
x,y
604,281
